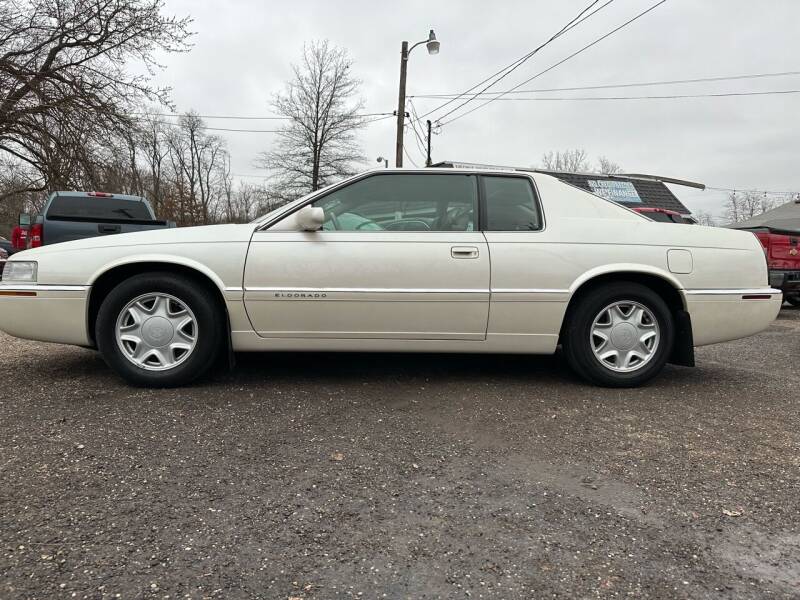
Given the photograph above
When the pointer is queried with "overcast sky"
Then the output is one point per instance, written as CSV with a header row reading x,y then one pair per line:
x,y
244,48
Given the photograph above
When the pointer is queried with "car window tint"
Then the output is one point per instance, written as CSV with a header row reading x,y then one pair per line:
x,y
403,202
89,207
511,204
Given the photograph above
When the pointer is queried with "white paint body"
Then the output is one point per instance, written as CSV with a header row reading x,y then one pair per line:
x,y
460,291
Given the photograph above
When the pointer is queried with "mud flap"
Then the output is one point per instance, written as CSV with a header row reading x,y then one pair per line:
x,y
683,348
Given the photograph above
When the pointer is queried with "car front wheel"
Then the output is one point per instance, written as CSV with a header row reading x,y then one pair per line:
x,y
618,335
159,329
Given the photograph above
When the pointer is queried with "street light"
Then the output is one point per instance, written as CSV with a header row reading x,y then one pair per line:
x,y
432,44
385,162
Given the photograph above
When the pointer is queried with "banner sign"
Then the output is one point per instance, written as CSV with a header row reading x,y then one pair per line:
x,y
616,191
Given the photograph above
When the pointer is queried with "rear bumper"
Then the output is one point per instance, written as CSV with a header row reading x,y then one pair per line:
x,y
724,315
788,281
47,313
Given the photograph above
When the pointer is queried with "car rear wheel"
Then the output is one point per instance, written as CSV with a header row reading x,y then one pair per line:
x,y
159,329
618,335
793,299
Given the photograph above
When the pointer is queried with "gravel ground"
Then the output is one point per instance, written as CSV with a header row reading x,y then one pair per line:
x,y
372,476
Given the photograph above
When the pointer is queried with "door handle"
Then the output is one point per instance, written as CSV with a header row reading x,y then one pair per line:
x,y
464,252
109,228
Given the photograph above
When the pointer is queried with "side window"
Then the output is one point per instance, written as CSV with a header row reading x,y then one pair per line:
x,y
511,204
403,202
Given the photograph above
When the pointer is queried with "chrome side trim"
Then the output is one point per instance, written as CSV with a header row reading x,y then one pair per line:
x,y
26,287
732,292
405,290
528,291
369,290
234,289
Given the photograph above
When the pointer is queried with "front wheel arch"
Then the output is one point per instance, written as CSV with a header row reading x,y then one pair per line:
x,y
110,279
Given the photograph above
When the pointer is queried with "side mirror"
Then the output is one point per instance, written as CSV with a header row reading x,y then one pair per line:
x,y
310,218
24,220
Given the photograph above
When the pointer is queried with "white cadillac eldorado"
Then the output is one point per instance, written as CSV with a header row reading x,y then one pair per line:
x,y
434,260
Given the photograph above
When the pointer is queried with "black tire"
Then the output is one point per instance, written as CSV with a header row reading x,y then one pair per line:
x,y
576,340
197,297
794,300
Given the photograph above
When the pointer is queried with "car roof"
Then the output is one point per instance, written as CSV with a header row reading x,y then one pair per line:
x,y
449,170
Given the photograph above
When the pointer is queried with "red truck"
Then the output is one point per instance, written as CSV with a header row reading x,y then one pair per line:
x,y
778,230
782,249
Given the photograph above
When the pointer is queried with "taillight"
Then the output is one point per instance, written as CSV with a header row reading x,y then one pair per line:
x,y
100,194
35,236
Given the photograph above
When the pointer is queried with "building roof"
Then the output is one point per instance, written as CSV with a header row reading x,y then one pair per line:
x,y
652,193
633,191
785,217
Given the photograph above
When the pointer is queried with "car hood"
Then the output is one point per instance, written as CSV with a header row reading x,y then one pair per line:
x,y
206,234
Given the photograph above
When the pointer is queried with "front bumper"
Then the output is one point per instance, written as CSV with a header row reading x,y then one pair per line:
x,y
47,313
788,281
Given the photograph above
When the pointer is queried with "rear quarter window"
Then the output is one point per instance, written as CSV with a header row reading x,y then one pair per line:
x,y
511,204
77,207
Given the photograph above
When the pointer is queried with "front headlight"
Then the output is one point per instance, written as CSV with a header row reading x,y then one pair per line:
x,y
20,270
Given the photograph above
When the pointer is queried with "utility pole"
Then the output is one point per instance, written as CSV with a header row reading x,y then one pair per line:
x,y
433,48
401,105
428,161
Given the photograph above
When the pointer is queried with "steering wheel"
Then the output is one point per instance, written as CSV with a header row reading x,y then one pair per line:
x,y
367,224
334,220
455,215
399,225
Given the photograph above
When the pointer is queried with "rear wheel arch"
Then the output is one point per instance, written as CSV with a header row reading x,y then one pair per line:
x,y
683,348
109,279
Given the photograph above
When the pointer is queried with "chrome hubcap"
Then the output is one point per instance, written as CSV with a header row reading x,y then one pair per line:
x,y
624,336
156,331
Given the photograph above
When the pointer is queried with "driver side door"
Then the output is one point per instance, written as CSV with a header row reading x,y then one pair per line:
x,y
399,256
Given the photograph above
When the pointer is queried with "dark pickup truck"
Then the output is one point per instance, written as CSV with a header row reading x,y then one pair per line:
x,y
70,216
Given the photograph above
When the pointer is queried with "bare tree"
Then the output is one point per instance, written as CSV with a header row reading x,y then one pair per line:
x,y
570,161
607,166
64,78
577,161
319,143
741,206
154,151
705,218
197,163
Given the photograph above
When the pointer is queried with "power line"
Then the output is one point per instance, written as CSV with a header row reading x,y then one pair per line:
x,y
562,61
248,118
664,97
622,85
408,156
504,72
519,63
496,73
420,138
175,124
743,190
